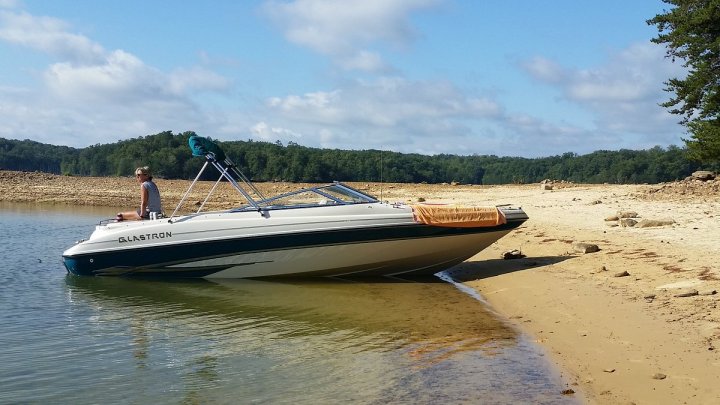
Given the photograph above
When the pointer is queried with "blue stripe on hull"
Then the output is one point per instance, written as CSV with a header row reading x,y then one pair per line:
x,y
153,260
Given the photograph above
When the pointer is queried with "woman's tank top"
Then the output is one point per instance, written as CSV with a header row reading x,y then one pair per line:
x,y
153,196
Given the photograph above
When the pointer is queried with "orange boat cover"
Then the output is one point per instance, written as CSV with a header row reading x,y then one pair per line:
x,y
458,217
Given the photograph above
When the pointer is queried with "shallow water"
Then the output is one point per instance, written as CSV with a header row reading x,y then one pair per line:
x,y
68,339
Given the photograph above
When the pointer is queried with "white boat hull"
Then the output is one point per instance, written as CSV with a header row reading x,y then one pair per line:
x,y
347,240
415,256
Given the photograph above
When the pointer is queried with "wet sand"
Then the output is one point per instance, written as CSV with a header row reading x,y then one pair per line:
x,y
635,322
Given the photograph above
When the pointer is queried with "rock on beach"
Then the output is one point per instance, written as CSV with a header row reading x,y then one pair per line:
x,y
583,247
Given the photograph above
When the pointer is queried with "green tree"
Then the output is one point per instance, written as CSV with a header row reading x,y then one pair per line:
x,y
169,157
691,32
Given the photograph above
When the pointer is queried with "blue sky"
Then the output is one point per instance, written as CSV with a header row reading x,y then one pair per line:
x,y
509,78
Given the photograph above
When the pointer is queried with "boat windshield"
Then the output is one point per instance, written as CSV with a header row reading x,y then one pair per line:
x,y
330,194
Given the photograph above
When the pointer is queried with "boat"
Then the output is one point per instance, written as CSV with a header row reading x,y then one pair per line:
x,y
321,231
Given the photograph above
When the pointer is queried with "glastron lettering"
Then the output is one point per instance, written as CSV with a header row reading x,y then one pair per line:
x,y
145,236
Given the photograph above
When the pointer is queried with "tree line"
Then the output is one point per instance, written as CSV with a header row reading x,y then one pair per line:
x,y
169,157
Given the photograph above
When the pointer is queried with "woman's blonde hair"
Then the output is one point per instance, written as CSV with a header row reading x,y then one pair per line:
x,y
144,170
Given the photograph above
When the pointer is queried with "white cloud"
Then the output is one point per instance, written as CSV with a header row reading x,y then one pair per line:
x,y
9,3
188,80
121,78
384,113
316,100
623,93
365,61
344,29
97,94
264,132
544,69
532,136
387,102
48,35
438,117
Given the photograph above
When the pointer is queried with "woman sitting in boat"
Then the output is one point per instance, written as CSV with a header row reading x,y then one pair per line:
x,y
150,207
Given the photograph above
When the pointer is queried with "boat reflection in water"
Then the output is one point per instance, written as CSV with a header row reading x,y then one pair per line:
x,y
430,315
320,340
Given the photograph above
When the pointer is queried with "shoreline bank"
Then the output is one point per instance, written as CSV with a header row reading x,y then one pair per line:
x,y
634,338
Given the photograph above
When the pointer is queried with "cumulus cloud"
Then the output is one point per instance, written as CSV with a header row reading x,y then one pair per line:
x,y
95,92
365,61
264,132
123,78
9,3
49,35
188,80
120,78
387,102
623,93
344,30
387,112
544,69
439,117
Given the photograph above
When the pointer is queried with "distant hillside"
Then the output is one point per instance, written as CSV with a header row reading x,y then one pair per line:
x,y
169,157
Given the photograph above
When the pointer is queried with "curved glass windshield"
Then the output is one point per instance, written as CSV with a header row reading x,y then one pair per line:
x,y
331,194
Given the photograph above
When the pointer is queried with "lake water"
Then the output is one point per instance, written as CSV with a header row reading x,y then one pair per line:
x,y
68,339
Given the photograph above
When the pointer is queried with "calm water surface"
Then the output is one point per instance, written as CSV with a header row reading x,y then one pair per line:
x,y
67,339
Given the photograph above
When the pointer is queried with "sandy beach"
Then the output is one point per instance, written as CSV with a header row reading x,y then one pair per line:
x,y
634,322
